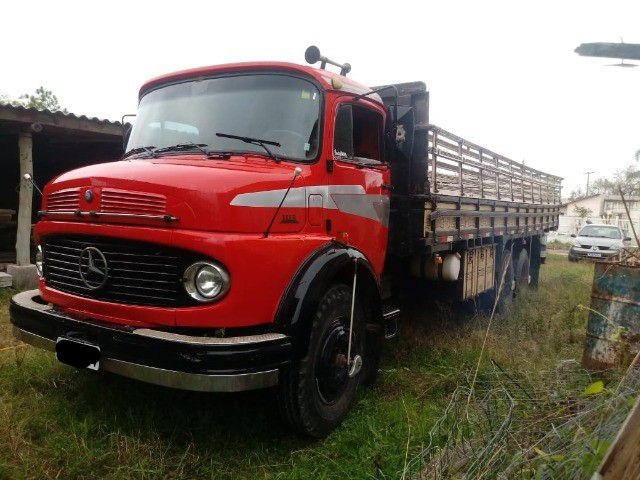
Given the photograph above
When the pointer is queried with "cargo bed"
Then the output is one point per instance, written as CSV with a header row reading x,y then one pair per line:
x,y
453,190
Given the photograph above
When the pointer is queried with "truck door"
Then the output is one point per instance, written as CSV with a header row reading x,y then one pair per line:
x,y
357,177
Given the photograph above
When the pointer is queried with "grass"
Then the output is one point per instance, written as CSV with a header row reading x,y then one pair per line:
x,y
558,245
56,422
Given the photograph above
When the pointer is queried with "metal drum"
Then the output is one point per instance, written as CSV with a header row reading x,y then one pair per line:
x,y
613,331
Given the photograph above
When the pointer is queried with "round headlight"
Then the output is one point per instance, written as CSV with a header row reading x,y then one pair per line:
x,y
39,260
206,281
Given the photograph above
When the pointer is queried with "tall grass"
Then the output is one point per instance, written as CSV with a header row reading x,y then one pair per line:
x,y
56,422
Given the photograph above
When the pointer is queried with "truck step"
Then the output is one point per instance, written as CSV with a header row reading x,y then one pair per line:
x,y
390,316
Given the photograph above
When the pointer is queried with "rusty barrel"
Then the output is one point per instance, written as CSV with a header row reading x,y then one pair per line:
x,y
613,330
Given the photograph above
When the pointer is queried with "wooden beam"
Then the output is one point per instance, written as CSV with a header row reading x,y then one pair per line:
x,y
23,237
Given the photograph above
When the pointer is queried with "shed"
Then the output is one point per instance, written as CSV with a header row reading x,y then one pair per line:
x,y
43,144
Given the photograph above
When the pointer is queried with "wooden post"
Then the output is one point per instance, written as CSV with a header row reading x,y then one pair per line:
x,y
434,156
460,172
480,174
622,461
23,238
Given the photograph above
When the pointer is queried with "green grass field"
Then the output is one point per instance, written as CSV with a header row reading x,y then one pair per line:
x,y
56,422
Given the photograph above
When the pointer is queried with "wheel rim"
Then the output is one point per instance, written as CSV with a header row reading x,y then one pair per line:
x,y
332,371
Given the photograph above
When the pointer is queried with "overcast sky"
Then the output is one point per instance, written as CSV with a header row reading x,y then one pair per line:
x,y
501,73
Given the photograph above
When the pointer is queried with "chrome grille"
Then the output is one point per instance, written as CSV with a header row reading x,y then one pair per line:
x,y
138,273
123,201
64,200
600,247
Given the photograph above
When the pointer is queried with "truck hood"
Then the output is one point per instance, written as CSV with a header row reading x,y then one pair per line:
x,y
187,192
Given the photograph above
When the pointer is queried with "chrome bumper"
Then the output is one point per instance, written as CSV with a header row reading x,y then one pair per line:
x,y
248,362
577,252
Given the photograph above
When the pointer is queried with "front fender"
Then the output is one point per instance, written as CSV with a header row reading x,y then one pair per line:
x,y
331,263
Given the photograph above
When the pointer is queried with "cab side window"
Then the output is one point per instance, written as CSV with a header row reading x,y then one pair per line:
x,y
358,133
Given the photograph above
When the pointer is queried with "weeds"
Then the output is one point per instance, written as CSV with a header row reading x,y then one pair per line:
x,y
56,422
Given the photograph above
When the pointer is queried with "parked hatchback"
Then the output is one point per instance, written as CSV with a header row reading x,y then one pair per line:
x,y
597,242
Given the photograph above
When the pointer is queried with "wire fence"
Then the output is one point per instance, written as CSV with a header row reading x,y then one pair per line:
x,y
543,425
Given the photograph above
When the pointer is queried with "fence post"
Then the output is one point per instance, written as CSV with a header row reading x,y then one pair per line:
x,y
622,461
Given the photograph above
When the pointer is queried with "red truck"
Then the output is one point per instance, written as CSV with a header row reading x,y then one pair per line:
x,y
260,228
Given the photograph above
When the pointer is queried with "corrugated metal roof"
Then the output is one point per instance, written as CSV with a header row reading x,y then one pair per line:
x,y
17,117
20,108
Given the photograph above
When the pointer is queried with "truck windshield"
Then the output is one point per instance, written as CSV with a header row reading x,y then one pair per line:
x,y
600,232
274,107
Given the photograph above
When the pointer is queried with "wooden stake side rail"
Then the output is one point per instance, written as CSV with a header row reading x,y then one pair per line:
x,y
458,167
451,218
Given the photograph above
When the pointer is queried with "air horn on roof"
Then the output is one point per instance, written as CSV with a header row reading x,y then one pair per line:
x,y
312,55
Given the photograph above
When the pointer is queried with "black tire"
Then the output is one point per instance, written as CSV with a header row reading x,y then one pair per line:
x,y
507,288
506,294
535,261
522,272
373,352
316,392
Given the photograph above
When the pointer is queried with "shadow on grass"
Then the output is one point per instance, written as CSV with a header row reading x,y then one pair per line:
x,y
96,425
86,421
216,419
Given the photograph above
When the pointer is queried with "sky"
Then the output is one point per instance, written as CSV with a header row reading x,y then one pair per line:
x,y
502,74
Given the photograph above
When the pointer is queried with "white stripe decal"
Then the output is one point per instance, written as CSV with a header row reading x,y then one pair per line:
x,y
297,196
272,198
350,199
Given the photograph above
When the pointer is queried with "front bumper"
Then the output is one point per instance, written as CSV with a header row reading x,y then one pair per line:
x,y
174,360
590,254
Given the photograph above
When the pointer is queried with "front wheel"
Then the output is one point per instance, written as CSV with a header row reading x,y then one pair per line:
x,y
316,392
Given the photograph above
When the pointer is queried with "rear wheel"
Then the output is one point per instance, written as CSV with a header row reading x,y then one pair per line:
x,y
316,392
535,261
504,268
522,273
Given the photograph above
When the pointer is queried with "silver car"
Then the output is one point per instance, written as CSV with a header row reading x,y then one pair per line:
x,y
597,242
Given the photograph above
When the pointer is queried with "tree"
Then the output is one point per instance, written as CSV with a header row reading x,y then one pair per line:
x,y
582,212
576,194
627,179
42,100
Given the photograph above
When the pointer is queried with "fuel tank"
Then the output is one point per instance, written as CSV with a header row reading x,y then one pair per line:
x,y
613,331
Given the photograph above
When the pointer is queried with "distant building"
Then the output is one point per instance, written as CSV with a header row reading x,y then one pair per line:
x,y
599,208
43,144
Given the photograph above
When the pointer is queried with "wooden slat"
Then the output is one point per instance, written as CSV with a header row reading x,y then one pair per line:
x,y
458,167
622,461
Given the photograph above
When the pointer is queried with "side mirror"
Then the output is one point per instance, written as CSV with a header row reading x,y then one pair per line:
x,y
573,235
401,129
627,239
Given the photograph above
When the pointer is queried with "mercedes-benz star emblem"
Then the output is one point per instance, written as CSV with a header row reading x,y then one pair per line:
x,y
93,268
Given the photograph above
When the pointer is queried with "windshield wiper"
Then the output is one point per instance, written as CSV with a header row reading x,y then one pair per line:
x,y
150,150
181,147
254,141
363,162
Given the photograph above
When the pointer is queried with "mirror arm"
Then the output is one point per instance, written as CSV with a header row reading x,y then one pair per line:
x,y
126,131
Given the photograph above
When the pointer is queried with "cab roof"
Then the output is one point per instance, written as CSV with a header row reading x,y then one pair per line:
x,y
330,81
